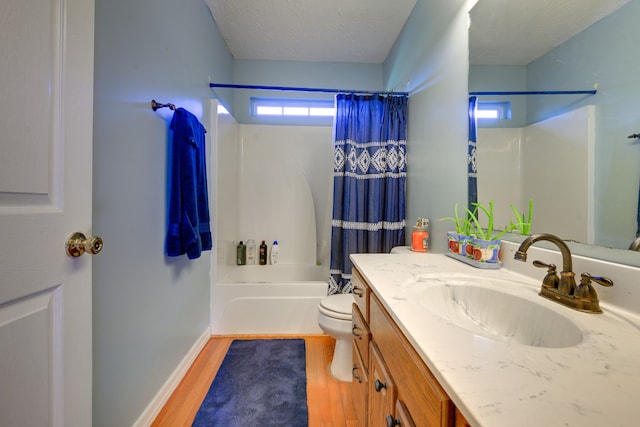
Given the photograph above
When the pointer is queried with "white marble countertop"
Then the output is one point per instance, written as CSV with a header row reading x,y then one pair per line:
x,y
496,383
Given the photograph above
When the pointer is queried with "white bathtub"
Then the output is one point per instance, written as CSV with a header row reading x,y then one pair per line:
x,y
268,299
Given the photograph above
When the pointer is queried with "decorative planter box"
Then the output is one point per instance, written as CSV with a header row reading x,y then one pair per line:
x,y
473,251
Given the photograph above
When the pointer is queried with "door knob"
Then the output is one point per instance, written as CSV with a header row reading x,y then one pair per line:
x,y
77,244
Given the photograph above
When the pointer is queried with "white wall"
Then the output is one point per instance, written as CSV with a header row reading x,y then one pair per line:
x,y
500,171
550,162
274,183
226,174
285,180
558,171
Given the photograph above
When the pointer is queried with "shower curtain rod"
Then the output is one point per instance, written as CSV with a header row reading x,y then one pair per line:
x,y
306,89
548,92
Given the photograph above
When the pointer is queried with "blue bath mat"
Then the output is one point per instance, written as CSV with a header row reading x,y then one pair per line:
x,y
260,383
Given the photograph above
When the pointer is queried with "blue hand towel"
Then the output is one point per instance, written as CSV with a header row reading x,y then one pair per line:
x,y
189,230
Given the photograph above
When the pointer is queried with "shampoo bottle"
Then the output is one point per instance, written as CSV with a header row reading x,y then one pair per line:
x,y
274,252
241,254
251,252
263,253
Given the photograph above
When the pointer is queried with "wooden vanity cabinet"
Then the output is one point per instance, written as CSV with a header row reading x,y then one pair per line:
x,y
360,387
396,387
361,340
425,400
403,418
382,390
460,420
361,334
360,291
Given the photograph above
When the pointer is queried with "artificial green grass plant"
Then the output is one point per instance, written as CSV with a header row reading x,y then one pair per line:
x,y
463,225
523,224
486,233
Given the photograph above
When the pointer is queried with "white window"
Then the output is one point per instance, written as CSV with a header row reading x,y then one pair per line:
x,y
489,110
222,110
286,107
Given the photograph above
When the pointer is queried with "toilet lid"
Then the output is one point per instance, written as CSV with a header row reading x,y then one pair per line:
x,y
338,303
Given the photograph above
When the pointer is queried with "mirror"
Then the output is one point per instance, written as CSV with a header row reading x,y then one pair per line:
x,y
561,45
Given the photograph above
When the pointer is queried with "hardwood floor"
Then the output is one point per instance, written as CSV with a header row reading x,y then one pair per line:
x,y
328,400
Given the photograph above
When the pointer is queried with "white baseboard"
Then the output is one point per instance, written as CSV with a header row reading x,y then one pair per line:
x,y
161,398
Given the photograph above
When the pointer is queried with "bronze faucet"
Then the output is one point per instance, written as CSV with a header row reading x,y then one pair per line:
x,y
563,290
635,245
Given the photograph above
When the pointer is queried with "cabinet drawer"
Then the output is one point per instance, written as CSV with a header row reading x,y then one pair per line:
x,y
423,396
361,293
361,334
382,390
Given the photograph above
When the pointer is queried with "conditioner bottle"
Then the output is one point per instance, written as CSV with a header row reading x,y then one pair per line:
x,y
251,252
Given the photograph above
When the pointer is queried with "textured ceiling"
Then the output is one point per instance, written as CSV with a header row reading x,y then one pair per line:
x,y
311,30
508,32
516,32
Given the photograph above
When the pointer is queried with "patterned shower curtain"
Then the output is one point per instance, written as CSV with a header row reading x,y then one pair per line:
x,y
369,176
472,160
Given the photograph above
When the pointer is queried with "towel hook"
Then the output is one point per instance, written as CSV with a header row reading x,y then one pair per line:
x,y
155,105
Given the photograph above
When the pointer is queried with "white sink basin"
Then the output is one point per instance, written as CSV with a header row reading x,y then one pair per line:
x,y
482,308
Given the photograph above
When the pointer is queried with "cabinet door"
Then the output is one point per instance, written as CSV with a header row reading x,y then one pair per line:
x,y
402,419
460,420
419,389
361,334
359,386
382,390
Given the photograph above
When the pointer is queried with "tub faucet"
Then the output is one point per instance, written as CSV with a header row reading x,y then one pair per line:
x,y
564,291
635,245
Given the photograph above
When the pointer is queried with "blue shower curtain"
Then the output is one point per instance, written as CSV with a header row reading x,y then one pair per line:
x,y
369,179
472,161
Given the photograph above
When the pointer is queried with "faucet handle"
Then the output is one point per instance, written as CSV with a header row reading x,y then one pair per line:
x,y
585,291
601,280
551,280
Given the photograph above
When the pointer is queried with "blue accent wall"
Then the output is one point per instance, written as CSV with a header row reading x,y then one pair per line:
x,y
331,75
486,78
430,61
148,310
604,55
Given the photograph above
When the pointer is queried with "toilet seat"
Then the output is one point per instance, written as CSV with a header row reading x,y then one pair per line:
x,y
337,306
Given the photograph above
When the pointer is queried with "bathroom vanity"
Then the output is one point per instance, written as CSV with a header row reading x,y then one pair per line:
x,y
392,385
440,343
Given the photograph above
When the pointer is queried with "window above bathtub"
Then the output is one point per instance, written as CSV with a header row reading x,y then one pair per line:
x,y
493,110
320,111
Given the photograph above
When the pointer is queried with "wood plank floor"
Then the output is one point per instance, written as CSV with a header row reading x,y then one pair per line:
x,y
328,400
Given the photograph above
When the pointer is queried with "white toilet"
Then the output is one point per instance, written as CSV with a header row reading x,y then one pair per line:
x,y
334,318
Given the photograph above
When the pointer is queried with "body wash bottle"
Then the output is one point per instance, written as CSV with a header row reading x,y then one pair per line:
x,y
274,252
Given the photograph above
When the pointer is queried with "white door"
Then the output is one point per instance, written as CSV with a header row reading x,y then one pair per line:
x,y
46,109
